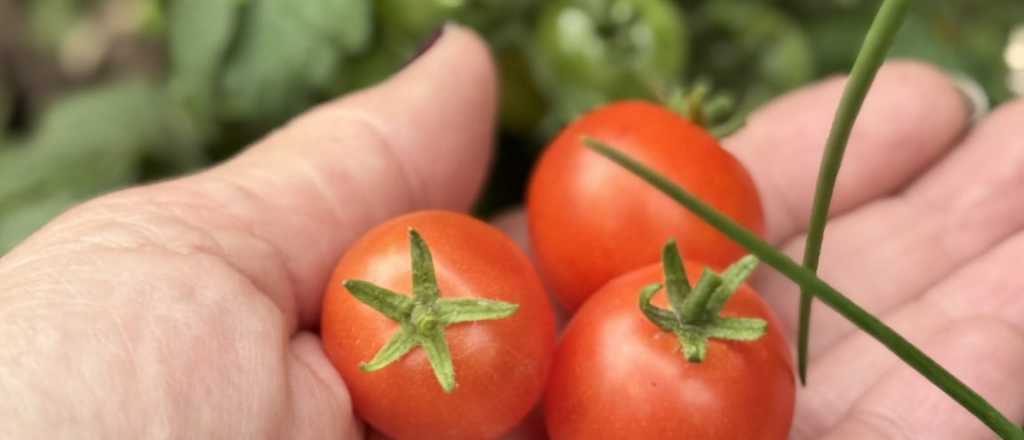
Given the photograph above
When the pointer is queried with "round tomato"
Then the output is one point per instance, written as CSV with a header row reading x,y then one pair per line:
x,y
423,286
618,375
591,220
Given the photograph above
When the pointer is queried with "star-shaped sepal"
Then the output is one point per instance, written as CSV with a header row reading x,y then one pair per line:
x,y
424,316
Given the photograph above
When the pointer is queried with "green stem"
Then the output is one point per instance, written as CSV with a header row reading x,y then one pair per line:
x,y
865,68
694,318
807,279
423,316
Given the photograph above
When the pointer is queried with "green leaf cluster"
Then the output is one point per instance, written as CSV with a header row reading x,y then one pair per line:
x,y
231,70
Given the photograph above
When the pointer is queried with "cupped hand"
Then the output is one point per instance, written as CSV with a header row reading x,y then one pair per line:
x,y
188,309
926,229
925,232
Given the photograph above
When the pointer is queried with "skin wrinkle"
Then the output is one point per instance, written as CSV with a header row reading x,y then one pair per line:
x,y
285,302
965,338
375,129
879,425
313,373
942,316
950,241
214,246
959,239
953,308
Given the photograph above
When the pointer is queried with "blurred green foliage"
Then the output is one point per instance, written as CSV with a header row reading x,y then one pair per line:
x,y
231,70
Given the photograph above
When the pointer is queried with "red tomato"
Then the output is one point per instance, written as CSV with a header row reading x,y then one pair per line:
x,y
590,220
616,375
500,365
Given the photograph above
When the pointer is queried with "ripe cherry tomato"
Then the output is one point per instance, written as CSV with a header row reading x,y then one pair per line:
x,y
590,220
617,375
500,363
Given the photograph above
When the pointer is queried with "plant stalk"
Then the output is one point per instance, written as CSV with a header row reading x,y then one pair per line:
x,y
872,54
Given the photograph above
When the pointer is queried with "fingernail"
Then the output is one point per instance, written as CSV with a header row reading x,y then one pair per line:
x,y
974,96
427,44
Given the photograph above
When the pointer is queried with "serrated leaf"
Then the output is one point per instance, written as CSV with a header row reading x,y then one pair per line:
x,y
87,144
348,22
199,36
288,53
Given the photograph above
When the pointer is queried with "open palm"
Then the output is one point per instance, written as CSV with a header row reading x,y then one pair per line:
x,y
188,309
926,228
926,232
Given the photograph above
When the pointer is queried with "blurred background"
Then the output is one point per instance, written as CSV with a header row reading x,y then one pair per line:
x,y
99,94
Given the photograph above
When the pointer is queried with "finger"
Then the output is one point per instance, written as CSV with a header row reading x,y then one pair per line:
x,y
320,405
284,211
983,289
905,405
911,116
892,250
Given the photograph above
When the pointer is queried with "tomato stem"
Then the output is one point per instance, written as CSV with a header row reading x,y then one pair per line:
x,y
809,281
706,109
695,315
872,54
424,316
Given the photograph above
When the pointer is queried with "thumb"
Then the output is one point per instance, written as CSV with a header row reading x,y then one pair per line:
x,y
420,140
271,221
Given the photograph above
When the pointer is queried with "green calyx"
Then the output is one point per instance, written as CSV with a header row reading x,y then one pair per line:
x,y
713,111
424,316
695,314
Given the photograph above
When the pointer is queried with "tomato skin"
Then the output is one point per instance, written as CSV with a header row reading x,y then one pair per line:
x,y
501,365
616,375
591,220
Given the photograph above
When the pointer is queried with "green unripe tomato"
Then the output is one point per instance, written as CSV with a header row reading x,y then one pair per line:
x,y
586,52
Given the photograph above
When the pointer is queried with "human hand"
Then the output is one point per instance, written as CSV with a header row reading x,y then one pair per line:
x,y
109,332
925,228
187,309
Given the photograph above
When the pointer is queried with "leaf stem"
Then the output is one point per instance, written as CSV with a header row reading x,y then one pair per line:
x,y
872,54
807,279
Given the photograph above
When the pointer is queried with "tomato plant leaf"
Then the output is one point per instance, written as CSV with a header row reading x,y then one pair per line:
x,y
200,34
393,305
286,57
440,358
87,144
424,281
401,343
348,23
454,311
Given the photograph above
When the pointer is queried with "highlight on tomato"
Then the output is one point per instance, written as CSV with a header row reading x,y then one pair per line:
x,y
706,362
591,220
448,340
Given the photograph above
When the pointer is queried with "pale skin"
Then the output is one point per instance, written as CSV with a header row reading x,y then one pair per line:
x,y
186,309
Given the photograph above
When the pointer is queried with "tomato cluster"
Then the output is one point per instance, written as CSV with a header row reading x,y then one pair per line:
x,y
441,327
